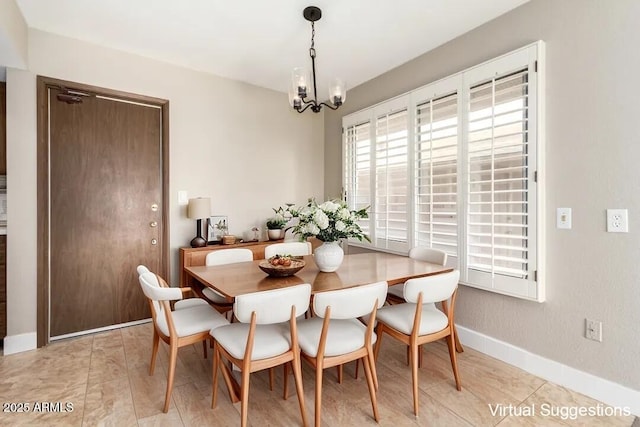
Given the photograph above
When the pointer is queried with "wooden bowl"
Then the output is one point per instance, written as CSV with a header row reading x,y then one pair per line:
x,y
281,270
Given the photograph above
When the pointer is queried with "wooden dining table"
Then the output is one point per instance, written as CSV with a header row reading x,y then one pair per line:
x,y
241,278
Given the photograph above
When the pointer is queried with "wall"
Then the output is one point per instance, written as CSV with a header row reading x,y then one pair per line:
x,y
591,164
13,37
238,144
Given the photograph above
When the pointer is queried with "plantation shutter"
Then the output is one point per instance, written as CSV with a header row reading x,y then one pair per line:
x,y
499,197
358,169
436,173
391,181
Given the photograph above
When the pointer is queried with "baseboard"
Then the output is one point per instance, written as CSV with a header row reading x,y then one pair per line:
x,y
19,343
605,391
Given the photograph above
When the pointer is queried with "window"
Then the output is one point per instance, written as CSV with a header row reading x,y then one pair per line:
x,y
454,165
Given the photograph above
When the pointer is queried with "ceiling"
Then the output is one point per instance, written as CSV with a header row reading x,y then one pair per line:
x,y
260,42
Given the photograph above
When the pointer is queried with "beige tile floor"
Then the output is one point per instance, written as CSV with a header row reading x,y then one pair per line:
x,y
104,379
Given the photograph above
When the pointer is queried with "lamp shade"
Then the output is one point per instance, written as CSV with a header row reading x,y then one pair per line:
x,y
199,208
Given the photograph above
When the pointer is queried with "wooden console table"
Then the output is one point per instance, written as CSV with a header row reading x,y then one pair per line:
x,y
195,256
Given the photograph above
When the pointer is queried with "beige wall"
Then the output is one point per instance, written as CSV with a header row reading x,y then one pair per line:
x,y
593,153
238,144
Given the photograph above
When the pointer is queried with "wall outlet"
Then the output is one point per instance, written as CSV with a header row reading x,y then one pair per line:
x,y
593,330
617,221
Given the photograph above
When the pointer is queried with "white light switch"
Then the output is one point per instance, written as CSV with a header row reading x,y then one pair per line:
x,y
563,218
183,197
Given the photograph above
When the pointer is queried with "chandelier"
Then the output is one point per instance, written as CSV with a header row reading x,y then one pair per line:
x,y
300,82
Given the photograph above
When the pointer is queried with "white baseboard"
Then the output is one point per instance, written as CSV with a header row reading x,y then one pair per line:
x,y
605,391
19,343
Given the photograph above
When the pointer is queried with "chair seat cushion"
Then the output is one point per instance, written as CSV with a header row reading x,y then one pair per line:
x,y
214,296
193,320
189,302
344,336
269,340
400,317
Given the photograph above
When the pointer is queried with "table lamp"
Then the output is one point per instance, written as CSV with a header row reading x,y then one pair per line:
x,y
198,209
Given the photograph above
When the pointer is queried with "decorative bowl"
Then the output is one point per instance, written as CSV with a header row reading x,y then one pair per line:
x,y
281,270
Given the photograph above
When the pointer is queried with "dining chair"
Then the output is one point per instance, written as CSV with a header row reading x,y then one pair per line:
x,y
422,253
417,321
261,339
177,305
335,336
223,257
288,248
177,328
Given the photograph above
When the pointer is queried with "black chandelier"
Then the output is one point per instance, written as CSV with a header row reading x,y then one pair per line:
x,y
298,91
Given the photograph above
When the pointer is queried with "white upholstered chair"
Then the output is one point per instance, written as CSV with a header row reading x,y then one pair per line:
x,y
335,335
418,321
422,253
222,257
176,328
434,256
288,248
261,340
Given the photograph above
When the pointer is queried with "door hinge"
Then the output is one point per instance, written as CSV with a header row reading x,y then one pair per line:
x,y
535,67
535,176
535,275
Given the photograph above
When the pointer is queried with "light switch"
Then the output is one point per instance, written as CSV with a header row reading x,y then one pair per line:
x,y
183,197
563,218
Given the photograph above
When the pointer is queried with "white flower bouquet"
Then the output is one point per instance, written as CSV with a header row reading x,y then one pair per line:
x,y
329,221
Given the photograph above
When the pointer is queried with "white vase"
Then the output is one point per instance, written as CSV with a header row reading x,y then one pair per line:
x,y
328,256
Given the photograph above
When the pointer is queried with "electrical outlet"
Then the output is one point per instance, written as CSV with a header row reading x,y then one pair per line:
x,y
617,221
593,330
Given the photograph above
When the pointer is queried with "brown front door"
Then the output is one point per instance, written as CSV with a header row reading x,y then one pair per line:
x,y
106,211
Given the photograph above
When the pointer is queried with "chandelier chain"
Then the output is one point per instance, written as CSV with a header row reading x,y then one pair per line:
x,y
312,50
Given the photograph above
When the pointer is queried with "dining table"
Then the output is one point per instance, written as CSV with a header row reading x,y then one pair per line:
x,y
231,280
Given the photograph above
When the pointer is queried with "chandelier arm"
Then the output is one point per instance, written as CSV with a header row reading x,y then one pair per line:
x,y
331,106
307,105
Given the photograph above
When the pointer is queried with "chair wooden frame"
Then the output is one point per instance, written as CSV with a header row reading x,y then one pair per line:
x,y
414,341
241,391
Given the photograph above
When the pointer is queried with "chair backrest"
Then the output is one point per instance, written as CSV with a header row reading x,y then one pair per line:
x,y
288,248
434,288
350,303
158,292
273,306
149,284
228,256
422,253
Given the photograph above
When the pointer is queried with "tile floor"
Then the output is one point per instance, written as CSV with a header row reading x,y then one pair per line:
x,y
103,379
